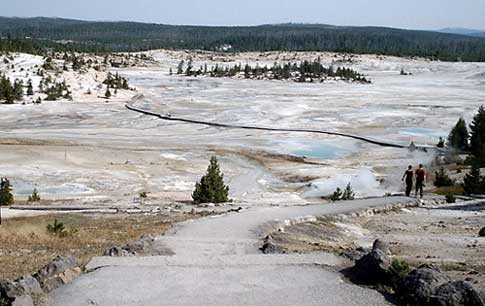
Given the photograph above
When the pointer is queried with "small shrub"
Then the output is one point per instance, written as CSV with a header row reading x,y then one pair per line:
x,y
57,229
143,195
450,198
337,195
400,267
442,179
35,197
347,194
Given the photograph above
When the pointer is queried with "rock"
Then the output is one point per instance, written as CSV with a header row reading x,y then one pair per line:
x,y
13,294
382,245
23,300
417,287
456,293
269,247
481,233
29,284
373,268
354,254
116,252
54,274
10,290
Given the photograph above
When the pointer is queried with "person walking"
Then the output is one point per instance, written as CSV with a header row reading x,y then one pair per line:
x,y
408,179
420,180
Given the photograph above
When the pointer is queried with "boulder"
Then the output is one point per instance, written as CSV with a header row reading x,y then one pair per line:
x,y
481,233
417,287
29,284
456,293
58,272
117,251
270,247
382,245
13,294
10,290
373,269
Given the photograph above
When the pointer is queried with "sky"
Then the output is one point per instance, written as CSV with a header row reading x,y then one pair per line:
x,y
410,14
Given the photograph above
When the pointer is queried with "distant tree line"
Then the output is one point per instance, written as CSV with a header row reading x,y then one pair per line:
x,y
64,35
305,71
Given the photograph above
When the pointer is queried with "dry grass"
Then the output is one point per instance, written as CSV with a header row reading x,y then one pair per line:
x,y
26,246
455,190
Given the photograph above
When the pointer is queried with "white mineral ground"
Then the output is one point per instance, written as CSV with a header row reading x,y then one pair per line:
x,y
90,151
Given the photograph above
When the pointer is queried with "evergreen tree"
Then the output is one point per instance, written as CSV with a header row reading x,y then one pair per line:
x,y
477,139
6,197
474,182
18,89
337,195
211,188
442,178
458,138
30,88
348,193
35,197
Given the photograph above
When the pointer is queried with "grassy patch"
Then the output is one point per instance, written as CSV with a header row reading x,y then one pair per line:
x,y
455,190
26,244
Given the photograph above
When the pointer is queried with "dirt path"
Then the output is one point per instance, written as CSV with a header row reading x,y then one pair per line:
x,y
217,262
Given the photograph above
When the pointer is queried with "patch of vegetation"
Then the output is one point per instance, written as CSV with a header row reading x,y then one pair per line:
x,y
116,81
44,34
474,182
10,92
401,267
477,138
455,189
57,91
450,198
34,197
345,195
458,137
442,179
6,196
57,229
211,188
305,71
27,246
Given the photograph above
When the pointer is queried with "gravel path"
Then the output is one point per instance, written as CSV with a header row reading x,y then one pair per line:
x,y
217,262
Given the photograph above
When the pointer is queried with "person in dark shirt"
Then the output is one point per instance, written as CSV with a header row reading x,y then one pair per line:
x,y
420,180
408,178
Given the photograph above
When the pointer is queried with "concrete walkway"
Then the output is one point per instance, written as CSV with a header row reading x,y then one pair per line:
x,y
217,262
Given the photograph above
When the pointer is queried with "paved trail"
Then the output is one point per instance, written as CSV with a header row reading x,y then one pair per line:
x,y
217,262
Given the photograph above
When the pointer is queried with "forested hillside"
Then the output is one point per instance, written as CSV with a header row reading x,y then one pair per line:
x,y
131,36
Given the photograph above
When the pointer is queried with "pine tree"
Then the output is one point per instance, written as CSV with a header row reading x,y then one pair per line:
x,y
474,182
458,138
337,195
6,197
211,188
35,197
348,193
442,179
477,139
18,89
30,88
